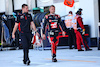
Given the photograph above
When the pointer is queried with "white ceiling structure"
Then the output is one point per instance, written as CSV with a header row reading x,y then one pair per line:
x,y
2,4
40,3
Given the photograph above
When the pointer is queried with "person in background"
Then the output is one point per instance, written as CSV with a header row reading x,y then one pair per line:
x,y
70,30
78,27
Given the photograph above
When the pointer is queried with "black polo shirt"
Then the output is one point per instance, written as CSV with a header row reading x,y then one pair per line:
x,y
25,21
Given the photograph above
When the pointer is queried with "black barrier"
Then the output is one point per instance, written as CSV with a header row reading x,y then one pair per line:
x,y
99,40
87,29
63,41
93,42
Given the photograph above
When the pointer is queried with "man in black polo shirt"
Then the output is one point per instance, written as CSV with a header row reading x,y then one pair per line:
x,y
25,21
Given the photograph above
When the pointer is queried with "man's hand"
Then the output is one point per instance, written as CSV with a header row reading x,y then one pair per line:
x,y
63,33
14,30
44,37
13,36
37,34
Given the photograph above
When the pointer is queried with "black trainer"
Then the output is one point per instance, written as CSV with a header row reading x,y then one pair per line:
x,y
54,59
80,50
24,61
75,47
70,48
88,49
98,48
28,62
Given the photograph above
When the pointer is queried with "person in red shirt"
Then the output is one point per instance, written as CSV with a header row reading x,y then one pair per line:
x,y
80,35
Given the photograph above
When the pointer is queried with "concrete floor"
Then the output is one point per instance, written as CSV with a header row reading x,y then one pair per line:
x,y
66,58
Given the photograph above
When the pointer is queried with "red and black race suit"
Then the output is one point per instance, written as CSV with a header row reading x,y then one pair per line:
x,y
52,22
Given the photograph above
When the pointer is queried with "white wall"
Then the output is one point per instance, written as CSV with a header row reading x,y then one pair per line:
x,y
42,3
74,8
8,7
90,15
2,5
60,9
33,4
96,17
18,4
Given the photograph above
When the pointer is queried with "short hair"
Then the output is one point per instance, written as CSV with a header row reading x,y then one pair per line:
x,y
79,11
24,5
51,6
70,12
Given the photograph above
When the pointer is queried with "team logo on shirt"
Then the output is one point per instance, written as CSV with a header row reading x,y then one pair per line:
x,y
21,17
54,25
28,15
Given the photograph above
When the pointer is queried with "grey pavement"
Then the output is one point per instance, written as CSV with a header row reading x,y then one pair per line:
x,y
66,58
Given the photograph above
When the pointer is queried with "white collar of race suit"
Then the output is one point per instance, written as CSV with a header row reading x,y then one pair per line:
x,y
79,15
52,14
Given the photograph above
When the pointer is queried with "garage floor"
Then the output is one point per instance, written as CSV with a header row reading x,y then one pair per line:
x,y
66,58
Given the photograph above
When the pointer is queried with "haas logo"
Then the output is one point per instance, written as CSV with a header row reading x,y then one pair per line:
x,y
54,25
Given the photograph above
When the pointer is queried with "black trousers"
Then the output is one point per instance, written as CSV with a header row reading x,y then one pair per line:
x,y
26,43
17,39
71,38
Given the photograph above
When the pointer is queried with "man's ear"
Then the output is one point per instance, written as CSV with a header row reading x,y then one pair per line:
x,y
22,8
49,9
